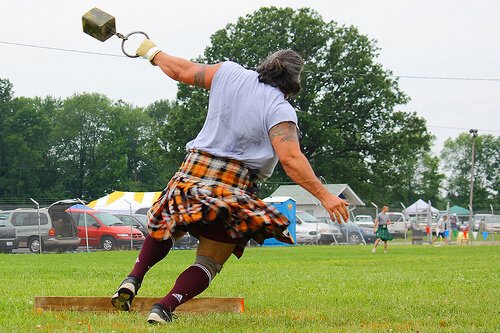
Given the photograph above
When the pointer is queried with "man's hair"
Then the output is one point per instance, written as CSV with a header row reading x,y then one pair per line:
x,y
282,70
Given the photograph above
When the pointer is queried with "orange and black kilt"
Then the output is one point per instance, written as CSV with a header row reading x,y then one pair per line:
x,y
208,191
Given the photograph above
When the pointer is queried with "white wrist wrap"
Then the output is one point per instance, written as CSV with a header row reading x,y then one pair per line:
x,y
151,53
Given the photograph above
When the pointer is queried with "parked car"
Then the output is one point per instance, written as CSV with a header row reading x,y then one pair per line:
x,y
142,210
57,228
104,230
310,230
138,221
399,224
364,221
352,233
185,242
8,236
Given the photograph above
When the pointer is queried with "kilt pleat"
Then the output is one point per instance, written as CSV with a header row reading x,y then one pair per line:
x,y
209,189
383,233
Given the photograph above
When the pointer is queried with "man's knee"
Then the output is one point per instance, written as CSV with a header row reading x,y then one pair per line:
x,y
209,264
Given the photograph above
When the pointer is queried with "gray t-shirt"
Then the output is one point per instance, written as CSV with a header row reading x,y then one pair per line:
x,y
382,219
241,111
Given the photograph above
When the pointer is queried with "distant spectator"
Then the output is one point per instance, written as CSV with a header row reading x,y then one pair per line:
x,y
414,224
453,224
381,230
482,225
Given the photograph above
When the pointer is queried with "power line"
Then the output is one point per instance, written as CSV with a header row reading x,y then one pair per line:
x,y
446,78
61,49
449,78
462,129
435,126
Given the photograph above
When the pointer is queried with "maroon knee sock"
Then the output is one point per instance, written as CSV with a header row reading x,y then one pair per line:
x,y
152,251
190,283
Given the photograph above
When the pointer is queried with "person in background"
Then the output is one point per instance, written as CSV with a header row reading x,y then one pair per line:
x,y
454,224
250,126
441,228
380,228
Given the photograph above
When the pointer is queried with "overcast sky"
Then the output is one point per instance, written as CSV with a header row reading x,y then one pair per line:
x,y
438,38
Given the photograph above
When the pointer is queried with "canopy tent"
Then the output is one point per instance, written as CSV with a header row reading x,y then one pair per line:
x,y
122,202
459,211
420,207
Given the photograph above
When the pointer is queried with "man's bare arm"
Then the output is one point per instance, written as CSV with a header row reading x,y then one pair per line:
x,y
285,141
186,71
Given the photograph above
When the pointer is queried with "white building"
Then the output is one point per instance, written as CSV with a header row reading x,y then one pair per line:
x,y
307,202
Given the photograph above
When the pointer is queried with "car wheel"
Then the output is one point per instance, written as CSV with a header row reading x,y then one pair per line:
x,y
34,245
108,243
354,238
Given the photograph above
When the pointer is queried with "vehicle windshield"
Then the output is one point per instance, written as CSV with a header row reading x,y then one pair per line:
x,y
108,219
395,218
142,219
306,217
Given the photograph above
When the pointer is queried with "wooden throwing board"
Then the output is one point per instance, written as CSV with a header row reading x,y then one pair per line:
x,y
140,304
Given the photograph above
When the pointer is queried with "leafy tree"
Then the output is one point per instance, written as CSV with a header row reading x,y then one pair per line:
x,y
81,126
121,157
428,180
25,137
6,96
457,159
164,148
350,130
99,146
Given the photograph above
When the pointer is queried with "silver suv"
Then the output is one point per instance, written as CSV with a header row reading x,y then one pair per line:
x,y
56,227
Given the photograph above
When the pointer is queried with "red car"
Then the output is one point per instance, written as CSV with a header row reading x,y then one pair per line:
x,y
104,230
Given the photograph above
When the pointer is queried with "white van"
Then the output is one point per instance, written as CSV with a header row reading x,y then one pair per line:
x,y
56,227
309,230
364,221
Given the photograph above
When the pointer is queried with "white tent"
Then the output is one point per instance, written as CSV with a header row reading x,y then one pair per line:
x,y
420,207
122,202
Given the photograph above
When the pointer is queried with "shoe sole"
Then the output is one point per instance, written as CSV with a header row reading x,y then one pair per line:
x,y
154,318
122,300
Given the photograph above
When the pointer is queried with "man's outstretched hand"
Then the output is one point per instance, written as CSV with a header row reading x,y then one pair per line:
x,y
337,208
147,50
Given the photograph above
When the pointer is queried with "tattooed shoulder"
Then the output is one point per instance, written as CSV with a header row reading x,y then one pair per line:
x,y
286,130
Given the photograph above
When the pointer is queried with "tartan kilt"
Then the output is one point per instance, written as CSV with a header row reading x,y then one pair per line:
x,y
383,233
209,189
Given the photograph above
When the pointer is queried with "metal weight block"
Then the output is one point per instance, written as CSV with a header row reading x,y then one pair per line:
x,y
99,24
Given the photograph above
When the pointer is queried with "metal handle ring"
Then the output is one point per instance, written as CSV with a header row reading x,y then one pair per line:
x,y
124,39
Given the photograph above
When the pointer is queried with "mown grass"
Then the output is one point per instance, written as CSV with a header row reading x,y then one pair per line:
x,y
291,289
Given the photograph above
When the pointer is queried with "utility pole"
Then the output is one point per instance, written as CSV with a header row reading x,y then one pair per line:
x,y
376,209
473,132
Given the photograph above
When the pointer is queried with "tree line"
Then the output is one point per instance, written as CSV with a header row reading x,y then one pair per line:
x,y
87,145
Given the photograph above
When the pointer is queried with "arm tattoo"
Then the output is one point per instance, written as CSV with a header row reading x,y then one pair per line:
x,y
199,77
286,130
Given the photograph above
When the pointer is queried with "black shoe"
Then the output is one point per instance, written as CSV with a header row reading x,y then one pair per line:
x,y
158,315
122,299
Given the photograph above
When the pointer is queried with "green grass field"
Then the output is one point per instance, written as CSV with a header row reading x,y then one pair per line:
x,y
292,289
